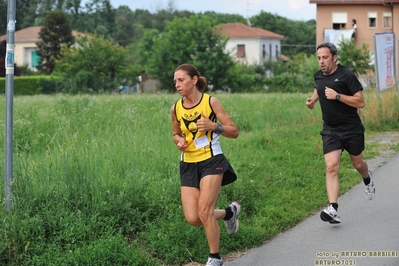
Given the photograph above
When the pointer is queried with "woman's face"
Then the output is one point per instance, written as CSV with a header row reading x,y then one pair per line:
x,y
184,84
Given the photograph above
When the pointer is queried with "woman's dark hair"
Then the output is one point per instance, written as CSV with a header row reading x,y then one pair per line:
x,y
192,71
330,46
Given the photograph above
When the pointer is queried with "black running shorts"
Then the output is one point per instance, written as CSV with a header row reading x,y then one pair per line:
x,y
351,141
191,173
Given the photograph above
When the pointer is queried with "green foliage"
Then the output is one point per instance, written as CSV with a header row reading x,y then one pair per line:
x,y
189,40
121,23
97,63
295,75
221,18
125,30
55,33
299,36
3,10
101,17
145,49
246,78
357,59
32,85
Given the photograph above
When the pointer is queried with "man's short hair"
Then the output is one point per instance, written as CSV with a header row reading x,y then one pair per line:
x,y
330,46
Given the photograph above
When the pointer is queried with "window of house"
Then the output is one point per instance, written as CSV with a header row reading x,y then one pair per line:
x,y
372,19
277,52
35,59
387,19
270,52
339,20
240,50
264,51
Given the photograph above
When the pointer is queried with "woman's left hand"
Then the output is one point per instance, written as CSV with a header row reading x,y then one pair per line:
x,y
205,124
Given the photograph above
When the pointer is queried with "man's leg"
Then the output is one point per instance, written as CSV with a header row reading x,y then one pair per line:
x,y
332,160
360,165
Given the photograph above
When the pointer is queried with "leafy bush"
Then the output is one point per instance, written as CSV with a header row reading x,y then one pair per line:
x,y
31,85
357,59
245,78
295,75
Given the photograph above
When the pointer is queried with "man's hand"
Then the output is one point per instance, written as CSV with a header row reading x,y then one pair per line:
x,y
330,93
310,103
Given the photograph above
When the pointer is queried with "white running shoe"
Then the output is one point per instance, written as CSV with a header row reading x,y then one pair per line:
x,y
330,215
370,188
214,262
233,223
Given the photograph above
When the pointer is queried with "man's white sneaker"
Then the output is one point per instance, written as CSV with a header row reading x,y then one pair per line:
x,y
233,223
370,188
330,215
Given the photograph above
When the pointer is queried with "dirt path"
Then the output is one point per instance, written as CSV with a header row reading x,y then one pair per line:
x,y
388,145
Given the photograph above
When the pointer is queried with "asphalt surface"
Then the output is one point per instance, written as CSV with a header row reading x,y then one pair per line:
x,y
368,234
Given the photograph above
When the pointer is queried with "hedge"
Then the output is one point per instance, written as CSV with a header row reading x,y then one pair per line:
x,y
31,85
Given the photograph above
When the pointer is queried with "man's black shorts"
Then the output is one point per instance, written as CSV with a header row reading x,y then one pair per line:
x,y
352,141
191,173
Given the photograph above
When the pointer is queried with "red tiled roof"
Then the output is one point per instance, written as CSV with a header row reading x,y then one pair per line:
x,y
242,30
353,2
30,34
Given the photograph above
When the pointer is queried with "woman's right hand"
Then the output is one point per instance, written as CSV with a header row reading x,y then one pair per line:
x,y
182,144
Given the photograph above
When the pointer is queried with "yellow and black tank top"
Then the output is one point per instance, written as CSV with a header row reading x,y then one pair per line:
x,y
200,145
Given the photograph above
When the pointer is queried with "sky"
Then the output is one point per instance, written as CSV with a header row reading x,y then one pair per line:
x,y
291,9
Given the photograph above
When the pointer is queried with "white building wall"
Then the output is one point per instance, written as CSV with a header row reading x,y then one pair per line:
x,y
254,49
23,52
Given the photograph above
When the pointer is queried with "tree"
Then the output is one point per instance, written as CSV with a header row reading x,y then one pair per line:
x,y
145,49
3,11
97,63
188,40
299,36
125,29
357,59
54,34
101,17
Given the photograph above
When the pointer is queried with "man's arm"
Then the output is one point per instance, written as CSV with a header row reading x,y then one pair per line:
x,y
356,101
310,102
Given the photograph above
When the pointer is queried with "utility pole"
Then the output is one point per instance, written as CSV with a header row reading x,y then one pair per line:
x,y
248,21
9,65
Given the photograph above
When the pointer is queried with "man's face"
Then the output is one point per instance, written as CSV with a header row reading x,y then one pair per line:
x,y
327,62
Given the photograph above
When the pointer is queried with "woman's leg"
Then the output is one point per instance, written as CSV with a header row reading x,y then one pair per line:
x,y
189,198
210,187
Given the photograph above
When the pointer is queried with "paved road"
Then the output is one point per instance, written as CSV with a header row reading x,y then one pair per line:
x,y
367,228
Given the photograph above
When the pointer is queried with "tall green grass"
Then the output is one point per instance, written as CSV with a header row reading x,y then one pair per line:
x,y
96,178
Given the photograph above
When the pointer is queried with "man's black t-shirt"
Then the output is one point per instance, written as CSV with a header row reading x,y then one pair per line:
x,y
338,116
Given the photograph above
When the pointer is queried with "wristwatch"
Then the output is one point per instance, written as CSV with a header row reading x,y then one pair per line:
x,y
219,129
337,96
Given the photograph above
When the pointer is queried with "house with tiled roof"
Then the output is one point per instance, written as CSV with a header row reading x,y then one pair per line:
x,y
251,45
358,19
25,46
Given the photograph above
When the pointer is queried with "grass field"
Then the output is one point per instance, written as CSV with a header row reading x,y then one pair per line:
x,y
96,178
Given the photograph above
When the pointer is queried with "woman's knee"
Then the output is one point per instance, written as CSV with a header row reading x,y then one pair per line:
x,y
193,220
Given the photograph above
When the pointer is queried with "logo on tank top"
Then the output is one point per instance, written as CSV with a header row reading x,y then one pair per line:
x,y
190,121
